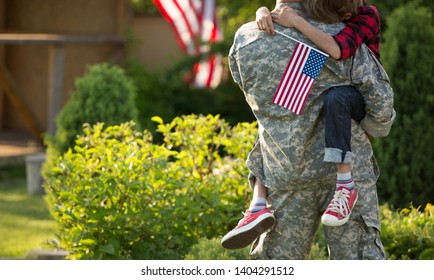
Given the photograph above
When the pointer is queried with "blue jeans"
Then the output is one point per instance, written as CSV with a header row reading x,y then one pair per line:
x,y
341,105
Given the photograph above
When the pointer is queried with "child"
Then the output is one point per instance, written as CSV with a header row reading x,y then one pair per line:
x,y
341,105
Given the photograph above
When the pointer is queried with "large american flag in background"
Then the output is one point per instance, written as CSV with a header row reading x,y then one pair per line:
x,y
297,80
195,26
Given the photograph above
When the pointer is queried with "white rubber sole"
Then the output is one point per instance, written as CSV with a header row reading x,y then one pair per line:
x,y
332,221
244,236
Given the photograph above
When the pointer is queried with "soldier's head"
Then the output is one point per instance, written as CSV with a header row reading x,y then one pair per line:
x,y
331,11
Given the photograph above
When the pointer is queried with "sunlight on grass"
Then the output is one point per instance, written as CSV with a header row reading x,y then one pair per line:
x,y
25,222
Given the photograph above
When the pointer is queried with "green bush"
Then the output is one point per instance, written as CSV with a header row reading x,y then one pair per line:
x,y
104,94
116,195
408,233
405,156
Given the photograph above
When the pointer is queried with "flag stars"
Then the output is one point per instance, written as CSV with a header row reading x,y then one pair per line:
x,y
314,64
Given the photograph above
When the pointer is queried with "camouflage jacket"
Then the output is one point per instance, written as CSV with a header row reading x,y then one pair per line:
x,y
290,148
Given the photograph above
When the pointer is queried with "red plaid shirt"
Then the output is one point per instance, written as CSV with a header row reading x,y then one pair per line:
x,y
363,27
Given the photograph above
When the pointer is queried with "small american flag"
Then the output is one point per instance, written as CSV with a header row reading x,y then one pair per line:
x,y
303,68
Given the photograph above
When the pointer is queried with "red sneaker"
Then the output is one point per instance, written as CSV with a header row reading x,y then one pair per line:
x,y
248,229
339,210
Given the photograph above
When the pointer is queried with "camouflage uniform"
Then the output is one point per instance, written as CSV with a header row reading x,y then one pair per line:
x,y
288,156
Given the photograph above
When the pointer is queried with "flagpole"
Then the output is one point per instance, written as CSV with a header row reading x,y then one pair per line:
x,y
289,37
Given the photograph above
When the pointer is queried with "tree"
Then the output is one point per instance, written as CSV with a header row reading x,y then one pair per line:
x,y
386,7
406,155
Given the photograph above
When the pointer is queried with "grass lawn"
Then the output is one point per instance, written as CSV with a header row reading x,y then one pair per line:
x,y
25,222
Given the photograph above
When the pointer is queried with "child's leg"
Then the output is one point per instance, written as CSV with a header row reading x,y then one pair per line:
x,y
259,200
341,105
257,220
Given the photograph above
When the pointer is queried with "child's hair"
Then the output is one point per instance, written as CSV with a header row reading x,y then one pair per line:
x,y
330,11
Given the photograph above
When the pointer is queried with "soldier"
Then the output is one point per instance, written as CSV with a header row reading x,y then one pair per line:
x,y
287,156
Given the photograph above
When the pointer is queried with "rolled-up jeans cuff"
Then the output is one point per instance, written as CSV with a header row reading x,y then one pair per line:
x,y
335,155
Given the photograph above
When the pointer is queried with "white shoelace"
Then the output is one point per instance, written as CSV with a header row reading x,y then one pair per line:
x,y
339,203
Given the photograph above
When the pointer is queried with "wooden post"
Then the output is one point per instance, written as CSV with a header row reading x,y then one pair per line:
x,y
56,63
9,90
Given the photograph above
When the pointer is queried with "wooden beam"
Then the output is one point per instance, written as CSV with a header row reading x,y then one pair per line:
x,y
8,88
47,38
56,63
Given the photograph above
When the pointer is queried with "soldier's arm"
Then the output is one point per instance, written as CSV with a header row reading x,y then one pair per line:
x,y
372,81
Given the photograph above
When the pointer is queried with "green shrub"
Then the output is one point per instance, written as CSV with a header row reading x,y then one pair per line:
x,y
408,233
405,156
104,94
116,195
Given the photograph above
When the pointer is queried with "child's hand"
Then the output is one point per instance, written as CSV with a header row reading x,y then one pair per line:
x,y
264,21
285,17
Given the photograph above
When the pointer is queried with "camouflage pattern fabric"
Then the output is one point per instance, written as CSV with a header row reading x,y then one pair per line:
x,y
288,156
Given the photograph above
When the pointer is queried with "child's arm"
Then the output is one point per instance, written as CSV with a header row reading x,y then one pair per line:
x,y
289,18
363,27
264,21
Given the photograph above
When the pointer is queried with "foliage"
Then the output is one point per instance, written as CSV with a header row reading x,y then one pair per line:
x,y
143,6
408,233
117,195
405,156
168,95
103,94
386,7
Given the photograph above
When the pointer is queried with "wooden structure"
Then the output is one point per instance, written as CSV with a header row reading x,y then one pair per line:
x,y
44,46
56,65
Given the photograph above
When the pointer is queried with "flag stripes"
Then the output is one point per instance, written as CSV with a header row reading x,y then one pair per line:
x,y
208,72
183,20
195,25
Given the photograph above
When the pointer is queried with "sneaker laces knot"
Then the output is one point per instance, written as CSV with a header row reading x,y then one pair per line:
x,y
340,203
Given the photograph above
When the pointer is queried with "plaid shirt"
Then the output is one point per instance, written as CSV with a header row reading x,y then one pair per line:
x,y
363,27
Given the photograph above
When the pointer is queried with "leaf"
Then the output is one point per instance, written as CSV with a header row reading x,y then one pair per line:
x,y
427,254
109,249
157,119
87,242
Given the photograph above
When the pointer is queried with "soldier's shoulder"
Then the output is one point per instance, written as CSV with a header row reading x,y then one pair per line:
x,y
246,34
247,28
